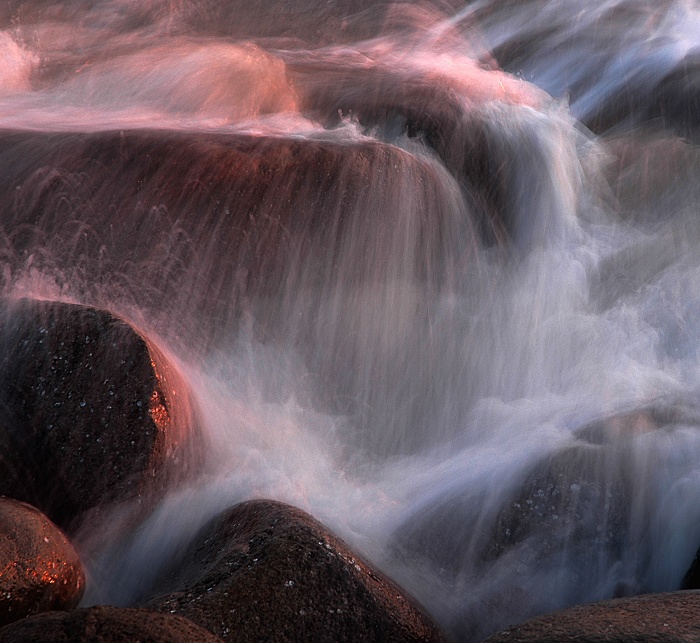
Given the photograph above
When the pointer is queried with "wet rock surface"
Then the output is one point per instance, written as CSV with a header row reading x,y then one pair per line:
x,y
85,414
39,569
657,618
197,221
577,497
569,501
582,496
219,193
105,624
267,571
582,517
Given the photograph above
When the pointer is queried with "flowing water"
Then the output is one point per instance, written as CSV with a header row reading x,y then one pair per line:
x,y
431,271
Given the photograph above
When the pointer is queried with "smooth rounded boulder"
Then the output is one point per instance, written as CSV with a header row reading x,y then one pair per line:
x,y
263,570
39,569
91,413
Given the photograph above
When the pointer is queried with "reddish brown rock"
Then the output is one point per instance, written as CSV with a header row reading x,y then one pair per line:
x,y
90,412
653,618
105,624
431,107
267,571
39,569
201,221
213,233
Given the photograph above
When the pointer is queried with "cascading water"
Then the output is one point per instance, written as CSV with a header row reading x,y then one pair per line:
x,y
449,310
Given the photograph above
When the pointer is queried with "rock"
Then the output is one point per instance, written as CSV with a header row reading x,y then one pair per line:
x,y
572,502
446,113
580,524
39,569
215,234
654,618
611,89
267,571
91,413
192,221
104,624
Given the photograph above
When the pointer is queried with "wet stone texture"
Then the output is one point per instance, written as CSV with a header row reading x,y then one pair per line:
x,y
265,571
84,416
575,498
653,618
39,569
568,502
577,501
105,624
577,517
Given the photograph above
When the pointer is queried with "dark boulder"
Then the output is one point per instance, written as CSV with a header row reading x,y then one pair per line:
x,y
576,501
105,624
612,88
594,498
39,569
91,413
653,618
267,571
209,234
578,525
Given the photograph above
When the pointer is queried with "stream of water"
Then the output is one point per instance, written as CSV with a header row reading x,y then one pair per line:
x,y
430,270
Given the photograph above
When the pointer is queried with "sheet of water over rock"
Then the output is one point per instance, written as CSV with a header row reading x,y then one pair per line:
x,y
428,271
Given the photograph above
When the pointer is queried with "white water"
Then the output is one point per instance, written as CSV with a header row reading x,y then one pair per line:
x,y
500,276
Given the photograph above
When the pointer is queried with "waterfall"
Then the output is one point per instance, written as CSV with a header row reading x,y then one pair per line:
x,y
429,271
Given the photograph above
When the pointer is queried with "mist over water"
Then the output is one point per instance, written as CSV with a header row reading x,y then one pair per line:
x,y
431,272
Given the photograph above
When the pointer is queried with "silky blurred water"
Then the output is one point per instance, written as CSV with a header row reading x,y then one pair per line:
x,y
405,255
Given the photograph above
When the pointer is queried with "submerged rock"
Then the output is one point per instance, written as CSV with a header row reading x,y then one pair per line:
x,y
90,412
106,625
39,569
267,571
657,618
211,234
587,521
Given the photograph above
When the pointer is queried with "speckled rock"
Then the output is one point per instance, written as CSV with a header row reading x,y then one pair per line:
x,y
263,570
39,569
572,498
105,624
653,618
90,412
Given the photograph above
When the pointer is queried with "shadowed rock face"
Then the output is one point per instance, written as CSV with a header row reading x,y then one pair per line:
x,y
39,569
654,618
107,625
575,503
607,92
266,571
85,410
